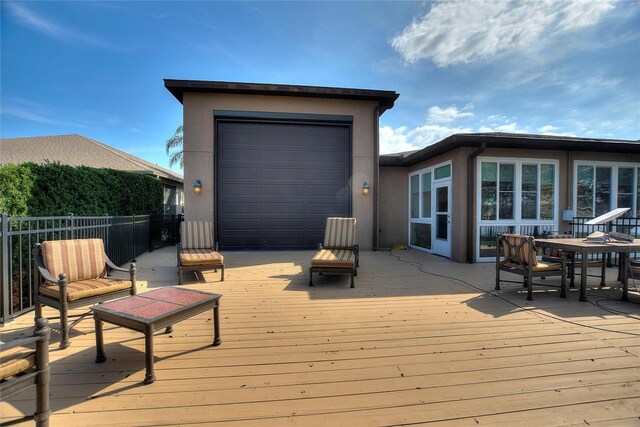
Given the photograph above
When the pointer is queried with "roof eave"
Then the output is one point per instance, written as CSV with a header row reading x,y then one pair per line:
x,y
513,141
178,88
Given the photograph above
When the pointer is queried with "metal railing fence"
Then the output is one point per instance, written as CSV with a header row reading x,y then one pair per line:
x,y
125,238
626,225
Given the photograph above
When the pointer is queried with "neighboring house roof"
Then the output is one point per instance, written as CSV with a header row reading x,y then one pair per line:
x,y
511,140
385,98
77,150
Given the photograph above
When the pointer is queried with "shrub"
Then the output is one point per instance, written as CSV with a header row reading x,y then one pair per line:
x,y
15,188
53,189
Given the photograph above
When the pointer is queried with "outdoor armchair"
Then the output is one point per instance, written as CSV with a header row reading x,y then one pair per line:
x,y
22,366
73,273
197,250
339,253
519,257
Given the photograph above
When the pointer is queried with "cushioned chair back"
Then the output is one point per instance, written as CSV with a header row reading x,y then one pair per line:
x,y
516,247
81,259
196,235
340,233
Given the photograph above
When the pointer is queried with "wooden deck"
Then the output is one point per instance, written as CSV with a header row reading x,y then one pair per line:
x,y
403,347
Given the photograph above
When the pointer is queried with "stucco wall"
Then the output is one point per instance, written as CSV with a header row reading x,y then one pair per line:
x,y
394,206
199,143
458,158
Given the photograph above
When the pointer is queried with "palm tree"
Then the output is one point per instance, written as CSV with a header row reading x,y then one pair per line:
x,y
174,148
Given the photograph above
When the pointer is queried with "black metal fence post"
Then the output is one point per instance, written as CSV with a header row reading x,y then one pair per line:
x,y
4,262
70,226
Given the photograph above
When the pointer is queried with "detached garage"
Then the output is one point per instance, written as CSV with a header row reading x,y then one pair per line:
x,y
275,161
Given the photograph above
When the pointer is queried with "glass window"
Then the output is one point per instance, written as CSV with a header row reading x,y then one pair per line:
x,y
637,192
415,196
506,189
584,191
489,187
488,238
603,190
529,193
426,195
547,191
443,172
625,188
421,235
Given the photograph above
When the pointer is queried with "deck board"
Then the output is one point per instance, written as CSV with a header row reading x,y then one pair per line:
x,y
403,347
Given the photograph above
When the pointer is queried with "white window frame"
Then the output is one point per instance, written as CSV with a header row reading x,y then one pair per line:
x,y
613,202
517,222
421,219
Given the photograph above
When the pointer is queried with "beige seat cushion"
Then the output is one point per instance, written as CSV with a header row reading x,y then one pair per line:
x,y
86,288
334,258
548,266
15,361
193,257
541,266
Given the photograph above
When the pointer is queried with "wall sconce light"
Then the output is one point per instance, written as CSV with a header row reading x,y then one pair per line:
x,y
365,188
197,187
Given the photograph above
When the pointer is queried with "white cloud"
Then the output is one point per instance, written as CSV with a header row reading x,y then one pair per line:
x,y
462,32
399,140
394,140
506,128
446,115
34,112
31,19
548,128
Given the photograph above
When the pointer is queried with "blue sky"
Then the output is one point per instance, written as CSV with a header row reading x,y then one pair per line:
x,y
96,68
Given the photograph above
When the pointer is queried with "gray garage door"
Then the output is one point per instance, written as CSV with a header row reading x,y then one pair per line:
x,y
278,182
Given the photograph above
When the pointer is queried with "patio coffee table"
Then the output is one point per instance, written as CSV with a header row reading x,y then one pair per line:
x,y
151,311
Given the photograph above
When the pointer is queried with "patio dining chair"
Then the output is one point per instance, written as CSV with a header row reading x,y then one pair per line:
x,y
24,362
197,250
519,257
339,253
573,261
74,273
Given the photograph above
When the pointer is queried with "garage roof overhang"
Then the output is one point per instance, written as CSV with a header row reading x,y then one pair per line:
x,y
178,88
507,140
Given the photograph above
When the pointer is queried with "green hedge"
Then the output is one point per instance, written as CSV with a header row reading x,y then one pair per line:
x,y
54,189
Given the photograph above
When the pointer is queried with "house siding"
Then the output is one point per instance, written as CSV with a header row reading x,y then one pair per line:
x,y
199,150
394,216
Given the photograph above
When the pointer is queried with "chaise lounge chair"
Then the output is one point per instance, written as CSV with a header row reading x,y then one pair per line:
x,y
339,253
197,250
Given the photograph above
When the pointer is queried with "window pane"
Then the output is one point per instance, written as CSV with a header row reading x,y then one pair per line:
x,y
489,188
426,195
637,192
585,191
537,231
625,188
603,190
529,192
415,196
421,235
547,191
443,172
507,186
488,236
